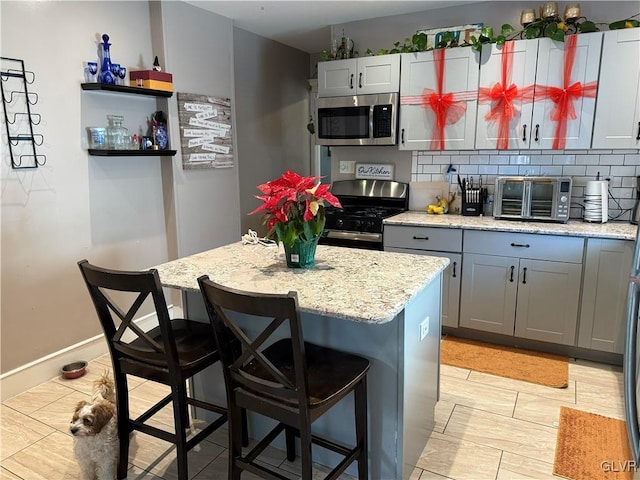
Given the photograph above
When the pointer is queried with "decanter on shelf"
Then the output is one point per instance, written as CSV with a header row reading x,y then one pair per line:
x,y
106,76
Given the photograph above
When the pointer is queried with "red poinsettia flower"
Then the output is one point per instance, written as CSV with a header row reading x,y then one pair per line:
x,y
294,207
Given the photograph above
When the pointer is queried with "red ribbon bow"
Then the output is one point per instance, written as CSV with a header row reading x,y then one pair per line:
x,y
563,97
448,107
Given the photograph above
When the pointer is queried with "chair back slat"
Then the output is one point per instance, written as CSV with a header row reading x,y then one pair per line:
x,y
117,320
249,368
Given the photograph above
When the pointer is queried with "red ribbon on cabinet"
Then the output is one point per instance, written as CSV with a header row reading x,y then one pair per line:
x,y
502,96
448,107
563,97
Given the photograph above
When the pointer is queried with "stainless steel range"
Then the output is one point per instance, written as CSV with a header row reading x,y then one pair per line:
x,y
365,203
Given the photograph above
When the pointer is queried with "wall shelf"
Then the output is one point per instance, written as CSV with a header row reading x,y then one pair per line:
x,y
131,153
102,87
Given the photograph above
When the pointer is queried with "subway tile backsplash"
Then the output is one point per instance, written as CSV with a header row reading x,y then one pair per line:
x,y
621,167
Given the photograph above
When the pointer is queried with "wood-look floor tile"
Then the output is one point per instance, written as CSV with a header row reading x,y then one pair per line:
x,y
427,475
595,373
503,433
517,467
50,458
7,475
475,395
293,470
567,394
451,371
453,457
84,383
217,470
18,431
135,473
38,397
606,398
443,412
158,457
58,414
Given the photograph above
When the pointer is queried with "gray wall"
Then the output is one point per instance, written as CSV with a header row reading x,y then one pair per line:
x,y
128,212
272,96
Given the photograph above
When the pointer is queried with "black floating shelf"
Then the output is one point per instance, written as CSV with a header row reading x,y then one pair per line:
x,y
132,153
103,87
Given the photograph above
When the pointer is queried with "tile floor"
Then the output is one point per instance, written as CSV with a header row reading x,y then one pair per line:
x,y
487,427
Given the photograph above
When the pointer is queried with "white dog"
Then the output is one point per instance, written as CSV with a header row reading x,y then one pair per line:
x,y
95,432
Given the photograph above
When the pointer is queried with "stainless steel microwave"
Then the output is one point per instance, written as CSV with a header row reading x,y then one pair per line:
x,y
533,198
357,120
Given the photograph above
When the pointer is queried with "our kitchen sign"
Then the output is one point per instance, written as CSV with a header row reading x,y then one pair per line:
x,y
374,170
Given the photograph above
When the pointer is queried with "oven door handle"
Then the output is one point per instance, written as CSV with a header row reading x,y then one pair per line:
x,y
361,236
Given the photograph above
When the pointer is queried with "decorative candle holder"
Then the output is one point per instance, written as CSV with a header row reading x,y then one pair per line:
x,y
527,16
571,12
549,10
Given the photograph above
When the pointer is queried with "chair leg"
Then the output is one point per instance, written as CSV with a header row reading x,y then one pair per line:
x,y
180,406
245,428
305,449
124,429
237,426
360,402
290,443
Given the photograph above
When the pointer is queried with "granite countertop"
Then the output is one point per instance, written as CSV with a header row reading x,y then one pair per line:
x,y
361,285
574,228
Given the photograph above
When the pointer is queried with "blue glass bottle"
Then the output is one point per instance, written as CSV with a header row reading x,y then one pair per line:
x,y
105,69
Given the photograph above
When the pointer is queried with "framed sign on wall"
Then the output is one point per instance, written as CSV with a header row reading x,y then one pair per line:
x,y
206,137
374,170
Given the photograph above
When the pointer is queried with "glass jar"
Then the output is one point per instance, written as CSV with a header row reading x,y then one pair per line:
x,y
117,135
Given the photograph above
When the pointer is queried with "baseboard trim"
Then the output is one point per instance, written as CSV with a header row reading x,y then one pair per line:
x,y
34,373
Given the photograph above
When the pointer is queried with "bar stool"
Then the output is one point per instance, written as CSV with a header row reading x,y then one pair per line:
x,y
169,354
292,381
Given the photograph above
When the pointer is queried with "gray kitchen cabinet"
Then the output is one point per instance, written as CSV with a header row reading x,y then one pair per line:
x,y
604,293
437,242
524,285
359,76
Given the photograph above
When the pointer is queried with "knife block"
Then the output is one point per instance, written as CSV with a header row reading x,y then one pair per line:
x,y
473,201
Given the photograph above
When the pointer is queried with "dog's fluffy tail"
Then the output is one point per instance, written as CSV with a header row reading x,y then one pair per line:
x,y
104,388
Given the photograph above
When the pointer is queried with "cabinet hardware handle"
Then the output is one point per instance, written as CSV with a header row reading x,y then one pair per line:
x,y
638,136
511,277
402,136
537,139
524,275
420,238
454,269
351,81
524,132
520,245
360,81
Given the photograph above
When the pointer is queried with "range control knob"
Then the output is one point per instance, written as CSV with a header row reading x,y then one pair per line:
x,y
339,222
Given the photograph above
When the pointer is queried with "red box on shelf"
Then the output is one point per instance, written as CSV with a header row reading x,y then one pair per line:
x,y
150,75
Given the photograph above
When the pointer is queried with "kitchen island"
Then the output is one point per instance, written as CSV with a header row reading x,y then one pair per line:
x,y
381,305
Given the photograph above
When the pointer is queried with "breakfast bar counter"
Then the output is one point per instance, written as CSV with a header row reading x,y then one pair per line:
x,y
384,306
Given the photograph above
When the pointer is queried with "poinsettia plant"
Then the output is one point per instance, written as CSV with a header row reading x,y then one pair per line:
x,y
293,207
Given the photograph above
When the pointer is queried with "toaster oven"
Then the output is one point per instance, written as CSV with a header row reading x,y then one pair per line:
x,y
533,198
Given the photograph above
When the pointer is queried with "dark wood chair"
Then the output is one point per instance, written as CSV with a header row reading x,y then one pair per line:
x,y
170,354
290,380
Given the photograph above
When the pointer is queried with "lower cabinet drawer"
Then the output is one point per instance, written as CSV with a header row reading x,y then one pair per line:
x,y
525,245
423,238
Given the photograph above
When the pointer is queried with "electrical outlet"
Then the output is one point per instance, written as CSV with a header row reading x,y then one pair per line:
x,y
424,328
347,166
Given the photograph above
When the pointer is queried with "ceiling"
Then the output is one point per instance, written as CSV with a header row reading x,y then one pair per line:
x,y
305,25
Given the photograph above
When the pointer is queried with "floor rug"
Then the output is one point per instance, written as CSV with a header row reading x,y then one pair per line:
x,y
592,447
536,367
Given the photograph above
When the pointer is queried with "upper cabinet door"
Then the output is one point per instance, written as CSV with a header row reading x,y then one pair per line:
x,y
438,99
566,85
617,123
359,76
337,78
505,105
378,74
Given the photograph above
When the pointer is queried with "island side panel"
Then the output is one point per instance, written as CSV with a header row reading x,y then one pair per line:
x,y
381,344
420,373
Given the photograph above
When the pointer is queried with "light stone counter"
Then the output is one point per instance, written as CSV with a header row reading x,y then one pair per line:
x,y
360,285
574,228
